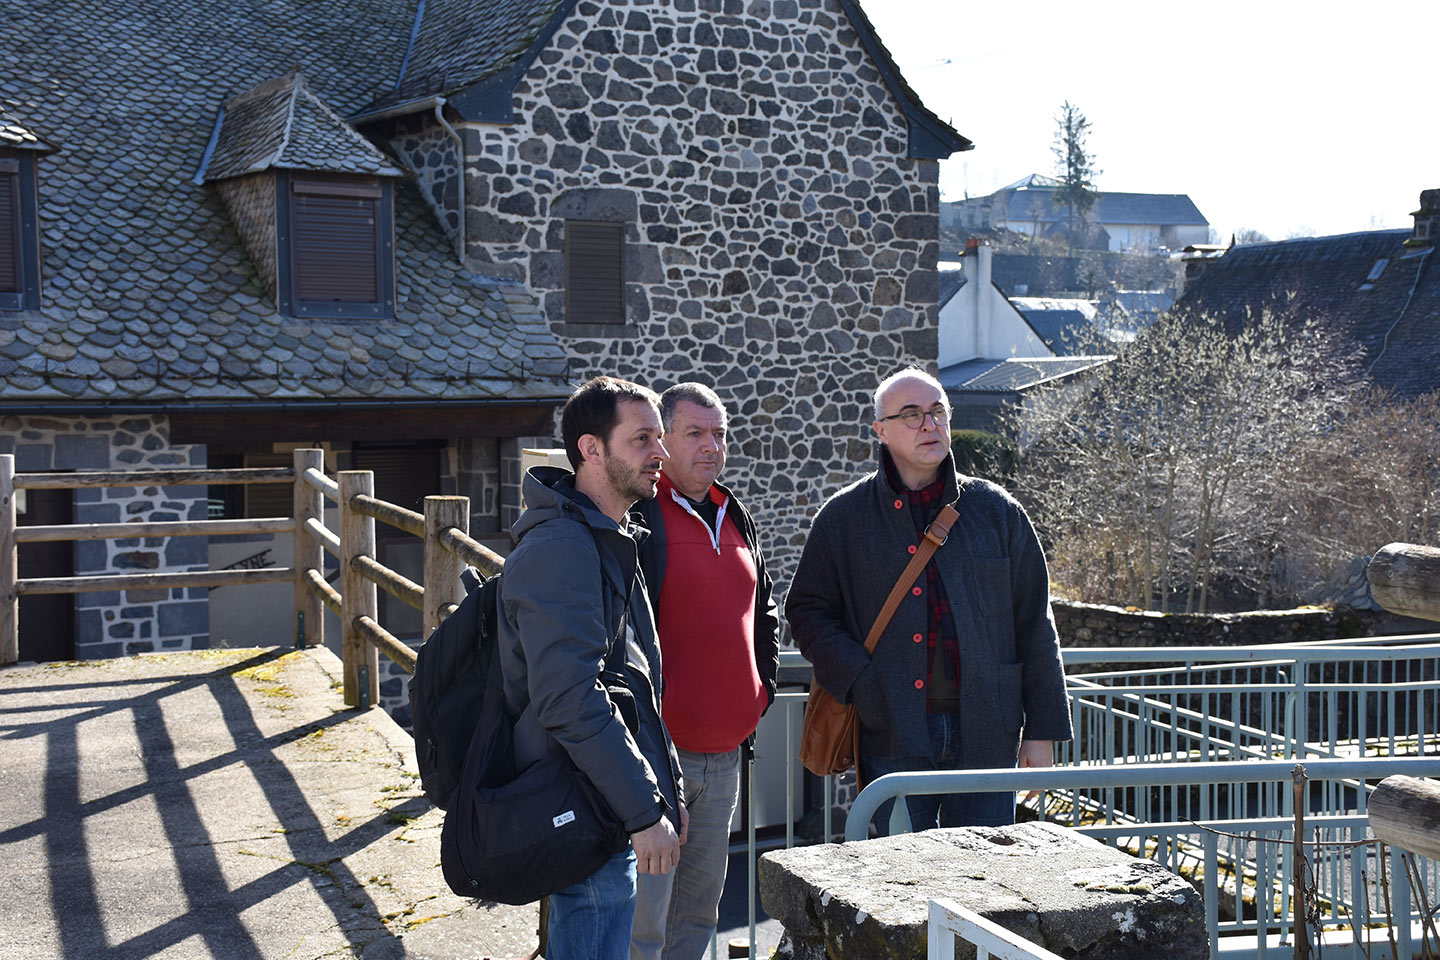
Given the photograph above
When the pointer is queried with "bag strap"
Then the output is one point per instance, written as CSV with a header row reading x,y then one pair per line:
x,y
935,535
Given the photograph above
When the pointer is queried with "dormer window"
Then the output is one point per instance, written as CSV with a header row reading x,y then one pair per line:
x,y
19,238
337,249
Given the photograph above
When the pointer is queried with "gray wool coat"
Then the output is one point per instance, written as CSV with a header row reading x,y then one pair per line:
x,y
569,579
993,571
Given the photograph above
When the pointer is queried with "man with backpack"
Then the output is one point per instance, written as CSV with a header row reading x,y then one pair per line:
x,y
572,588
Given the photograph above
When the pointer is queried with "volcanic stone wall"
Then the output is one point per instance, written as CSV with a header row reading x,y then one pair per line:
x,y
779,244
112,623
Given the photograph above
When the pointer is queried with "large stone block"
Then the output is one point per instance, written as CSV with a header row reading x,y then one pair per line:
x,y
1061,890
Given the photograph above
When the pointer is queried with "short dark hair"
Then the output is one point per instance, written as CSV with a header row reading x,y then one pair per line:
x,y
696,393
595,408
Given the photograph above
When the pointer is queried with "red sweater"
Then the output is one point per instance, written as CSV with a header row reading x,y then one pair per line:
x,y
713,693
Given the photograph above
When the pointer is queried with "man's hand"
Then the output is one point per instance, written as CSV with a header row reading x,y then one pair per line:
x,y
657,847
1037,753
684,824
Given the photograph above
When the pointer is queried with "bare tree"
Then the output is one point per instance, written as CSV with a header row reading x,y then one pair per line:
x,y
1159,483
1247,235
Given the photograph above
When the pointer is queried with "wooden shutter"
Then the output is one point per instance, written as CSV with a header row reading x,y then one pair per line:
x,y
594,272
10,273
335,242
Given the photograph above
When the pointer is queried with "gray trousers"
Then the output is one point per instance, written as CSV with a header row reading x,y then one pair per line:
x,y
675,914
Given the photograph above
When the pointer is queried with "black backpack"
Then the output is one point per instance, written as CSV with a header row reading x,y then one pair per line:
x,y
447,692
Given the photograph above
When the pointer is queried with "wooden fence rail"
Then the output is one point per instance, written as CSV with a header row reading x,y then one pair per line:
x,y
443,526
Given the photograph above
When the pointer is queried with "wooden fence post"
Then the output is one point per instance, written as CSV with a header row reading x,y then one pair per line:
x,y
442,566
357,594
309,554
9,599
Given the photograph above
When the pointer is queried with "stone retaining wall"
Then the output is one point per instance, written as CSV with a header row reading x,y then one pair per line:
x,y
1098,625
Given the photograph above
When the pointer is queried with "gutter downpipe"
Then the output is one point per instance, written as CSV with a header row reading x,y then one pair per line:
x,y
460,187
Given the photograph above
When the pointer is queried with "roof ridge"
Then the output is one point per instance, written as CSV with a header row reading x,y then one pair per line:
x,y
297,77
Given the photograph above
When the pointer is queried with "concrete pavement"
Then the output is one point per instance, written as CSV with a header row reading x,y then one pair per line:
x,y
220,804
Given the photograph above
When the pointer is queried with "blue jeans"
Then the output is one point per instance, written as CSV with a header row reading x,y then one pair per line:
x,y
947,809
590,920
675,913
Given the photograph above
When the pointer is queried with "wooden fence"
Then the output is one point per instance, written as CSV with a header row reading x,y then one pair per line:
x,y
444,527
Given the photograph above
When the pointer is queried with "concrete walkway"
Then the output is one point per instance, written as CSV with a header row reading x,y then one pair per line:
x,y
220,804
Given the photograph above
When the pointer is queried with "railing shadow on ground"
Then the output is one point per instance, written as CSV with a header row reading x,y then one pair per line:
x,y
91,929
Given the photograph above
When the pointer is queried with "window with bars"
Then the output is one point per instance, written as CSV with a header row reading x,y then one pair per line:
x,y
337,248
594,272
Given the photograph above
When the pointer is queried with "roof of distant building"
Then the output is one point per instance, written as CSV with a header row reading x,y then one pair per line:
x,y
1032,198
1371,288
950,283
1060,322
1014,374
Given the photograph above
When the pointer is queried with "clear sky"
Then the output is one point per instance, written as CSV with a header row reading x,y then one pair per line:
x,y
1291,118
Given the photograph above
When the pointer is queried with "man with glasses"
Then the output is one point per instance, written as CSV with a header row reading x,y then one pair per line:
x,y
967,675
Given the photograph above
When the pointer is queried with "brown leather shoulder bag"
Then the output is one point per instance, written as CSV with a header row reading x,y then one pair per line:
x,y
830,733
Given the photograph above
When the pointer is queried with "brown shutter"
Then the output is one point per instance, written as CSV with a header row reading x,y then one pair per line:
x,y
594,272
9,232
335,243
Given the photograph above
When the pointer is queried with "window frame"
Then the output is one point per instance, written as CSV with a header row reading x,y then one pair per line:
x,y
356,187
17,172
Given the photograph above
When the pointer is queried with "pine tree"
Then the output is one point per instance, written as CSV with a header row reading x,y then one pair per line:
x,y
1075,165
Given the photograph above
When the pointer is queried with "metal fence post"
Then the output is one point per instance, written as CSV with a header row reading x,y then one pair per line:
x,y
308,503
357,594
9,599
442,566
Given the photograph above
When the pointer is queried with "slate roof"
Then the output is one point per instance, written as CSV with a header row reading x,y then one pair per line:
x,y
950,283
1373,289
1114,208
149,297
282,124
1059,322
1014,374
457,42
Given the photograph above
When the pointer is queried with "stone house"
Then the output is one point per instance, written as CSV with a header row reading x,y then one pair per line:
x,y
404,232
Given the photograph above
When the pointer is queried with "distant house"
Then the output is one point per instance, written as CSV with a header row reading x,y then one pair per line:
x,y
404,232
994,350
1126,222
1377,289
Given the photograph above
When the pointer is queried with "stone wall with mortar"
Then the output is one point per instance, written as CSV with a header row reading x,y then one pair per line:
x,y
117,622
1098,625
779,244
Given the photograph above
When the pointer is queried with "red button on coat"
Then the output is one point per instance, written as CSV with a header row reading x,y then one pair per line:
x,y
911,548
917,638
919,684
899,504
915,590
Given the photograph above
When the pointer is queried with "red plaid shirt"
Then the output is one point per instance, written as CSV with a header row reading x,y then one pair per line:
x,y
940,633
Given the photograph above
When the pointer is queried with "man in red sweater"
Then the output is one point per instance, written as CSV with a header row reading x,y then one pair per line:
x,y
719,651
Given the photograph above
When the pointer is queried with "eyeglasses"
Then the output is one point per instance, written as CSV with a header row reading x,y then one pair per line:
x,y
915,419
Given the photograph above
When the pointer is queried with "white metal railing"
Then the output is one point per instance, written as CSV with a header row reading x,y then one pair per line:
x,y
1154,726
949,920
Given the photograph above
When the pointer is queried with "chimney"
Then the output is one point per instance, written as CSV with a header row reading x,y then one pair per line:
x,y
1427,220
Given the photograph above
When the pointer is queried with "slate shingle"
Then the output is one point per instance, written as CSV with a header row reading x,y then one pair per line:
x,y
130,246
1391,311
